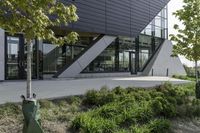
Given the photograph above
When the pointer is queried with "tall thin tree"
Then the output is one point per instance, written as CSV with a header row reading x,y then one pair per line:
x,y
187,41
35,20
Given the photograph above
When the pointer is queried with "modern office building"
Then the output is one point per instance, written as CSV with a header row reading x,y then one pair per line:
x,y
116,38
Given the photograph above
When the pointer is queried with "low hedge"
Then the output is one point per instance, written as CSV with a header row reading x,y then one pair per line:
x,y
135,110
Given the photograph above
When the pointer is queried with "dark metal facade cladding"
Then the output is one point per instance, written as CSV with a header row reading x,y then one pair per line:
x,y
115,17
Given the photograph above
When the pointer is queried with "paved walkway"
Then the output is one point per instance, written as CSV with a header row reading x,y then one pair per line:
x,y
10,91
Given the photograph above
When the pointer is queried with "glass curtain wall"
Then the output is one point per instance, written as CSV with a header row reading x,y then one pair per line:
x,y
12,57
121,54
126,46
159,25
145,49
55,57
105,62
115,58
152,36
16,57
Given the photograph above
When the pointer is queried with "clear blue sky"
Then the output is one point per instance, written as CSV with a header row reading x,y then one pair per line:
x,y
173,6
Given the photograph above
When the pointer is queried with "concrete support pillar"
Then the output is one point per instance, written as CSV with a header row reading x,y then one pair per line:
x,y
2,54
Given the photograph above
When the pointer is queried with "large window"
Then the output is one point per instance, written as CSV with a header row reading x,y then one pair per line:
x,y
152,36
159,26
126,45
115,58
12,57
105,62
55,57
16,57
145,49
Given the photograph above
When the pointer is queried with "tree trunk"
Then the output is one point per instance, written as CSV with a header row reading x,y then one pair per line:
x,y
29,63
196,71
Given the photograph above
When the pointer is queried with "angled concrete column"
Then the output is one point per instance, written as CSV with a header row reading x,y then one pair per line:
x,y
2,54
163,64
81,63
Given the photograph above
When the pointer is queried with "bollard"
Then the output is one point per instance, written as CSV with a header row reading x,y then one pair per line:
x,y
152,72
167,72
32,122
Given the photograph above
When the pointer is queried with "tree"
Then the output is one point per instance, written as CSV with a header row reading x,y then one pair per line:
x,y
187,41
35,19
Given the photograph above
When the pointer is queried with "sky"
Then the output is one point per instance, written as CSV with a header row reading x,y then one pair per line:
x,y
172,7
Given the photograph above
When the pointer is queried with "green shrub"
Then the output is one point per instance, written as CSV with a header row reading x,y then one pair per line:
x,y
88,124
164,87
46,104
122,109
74,100
61,103
10,109
141,113
109,111
162,107
197,90
139,129
99,98
155,94
141,95
159,126
196,111
196,102
184,77
119,91
122,131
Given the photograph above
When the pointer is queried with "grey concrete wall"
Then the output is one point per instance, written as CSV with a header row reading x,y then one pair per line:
x,y
87,57
2,54
148,69
163,61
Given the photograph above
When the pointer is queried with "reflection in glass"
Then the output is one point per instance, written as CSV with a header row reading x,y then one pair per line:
x,y
145,49
50,55
158,21
158,27
132,61
124,61
56,57
158,32
144,56
12,57
126,45
105,62
115,58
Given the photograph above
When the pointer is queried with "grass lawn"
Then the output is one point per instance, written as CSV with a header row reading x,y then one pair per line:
x,y
131,110
184,77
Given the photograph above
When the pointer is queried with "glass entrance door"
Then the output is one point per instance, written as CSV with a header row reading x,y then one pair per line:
x,y
14,57
132,62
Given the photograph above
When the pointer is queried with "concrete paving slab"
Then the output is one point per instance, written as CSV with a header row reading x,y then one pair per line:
x,y
10,91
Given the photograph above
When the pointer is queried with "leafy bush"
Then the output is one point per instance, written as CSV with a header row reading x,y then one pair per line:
x,y
98,98
74,100
46,104
135,110
185,77
162,107
139,129
88,124
159,126
197,90
9,109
